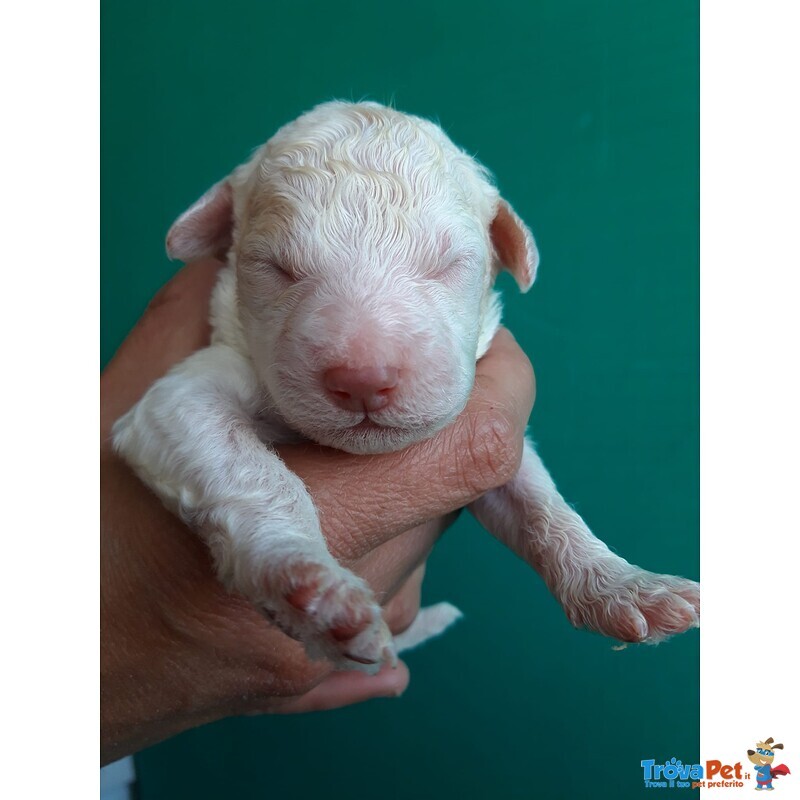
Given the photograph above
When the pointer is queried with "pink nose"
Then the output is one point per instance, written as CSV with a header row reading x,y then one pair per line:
x,y
361,388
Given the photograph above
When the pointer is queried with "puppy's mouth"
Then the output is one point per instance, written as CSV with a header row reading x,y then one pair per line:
x,y
368,436
369,424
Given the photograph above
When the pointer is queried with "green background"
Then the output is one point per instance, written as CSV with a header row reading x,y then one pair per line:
x,y
587,112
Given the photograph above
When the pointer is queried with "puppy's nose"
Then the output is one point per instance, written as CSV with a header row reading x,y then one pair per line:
x,y
361,388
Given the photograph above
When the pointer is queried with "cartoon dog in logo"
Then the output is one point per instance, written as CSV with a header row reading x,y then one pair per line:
x,y
762,757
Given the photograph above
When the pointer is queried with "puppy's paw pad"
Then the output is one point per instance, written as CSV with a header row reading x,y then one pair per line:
x,y
357,631
302,584
332,612
346,611
638,606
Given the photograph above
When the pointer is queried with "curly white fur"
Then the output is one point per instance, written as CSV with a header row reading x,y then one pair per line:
x,y
356,236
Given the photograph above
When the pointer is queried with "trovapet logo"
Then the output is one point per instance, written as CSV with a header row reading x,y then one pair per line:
x,y
762,757
674,774
716,774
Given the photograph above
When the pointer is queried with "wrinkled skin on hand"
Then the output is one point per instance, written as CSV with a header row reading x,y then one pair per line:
x,y
177,649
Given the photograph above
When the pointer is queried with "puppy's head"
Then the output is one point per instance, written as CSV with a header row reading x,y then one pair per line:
x,y
366,245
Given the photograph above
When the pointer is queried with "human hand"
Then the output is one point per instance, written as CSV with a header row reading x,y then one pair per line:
x,y
177,649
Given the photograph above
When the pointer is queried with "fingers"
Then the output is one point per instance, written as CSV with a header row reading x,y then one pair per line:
x,y
345,688
486,440
173,326
366,500
403,608
389,566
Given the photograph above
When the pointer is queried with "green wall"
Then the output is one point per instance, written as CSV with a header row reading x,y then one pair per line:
x,y
587,112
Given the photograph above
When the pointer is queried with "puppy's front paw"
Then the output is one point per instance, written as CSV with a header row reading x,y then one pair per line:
x,y
633,605
331,611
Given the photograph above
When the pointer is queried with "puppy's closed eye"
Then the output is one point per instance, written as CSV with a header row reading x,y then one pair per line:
x,y
282,270
266,265
443,269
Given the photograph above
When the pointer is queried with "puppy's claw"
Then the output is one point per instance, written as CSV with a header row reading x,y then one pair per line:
x,y
360,660
390,655
638,606
330,610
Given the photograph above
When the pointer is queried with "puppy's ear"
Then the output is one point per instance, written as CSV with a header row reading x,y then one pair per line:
x,y
206,228
514,245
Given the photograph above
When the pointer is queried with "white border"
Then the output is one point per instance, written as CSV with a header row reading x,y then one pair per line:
x,y
49,324
750,408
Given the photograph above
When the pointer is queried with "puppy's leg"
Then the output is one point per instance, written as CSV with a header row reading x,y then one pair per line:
x,y
192,440
597,589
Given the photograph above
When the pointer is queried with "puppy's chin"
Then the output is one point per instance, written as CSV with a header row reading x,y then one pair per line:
x,y
368,437
370,441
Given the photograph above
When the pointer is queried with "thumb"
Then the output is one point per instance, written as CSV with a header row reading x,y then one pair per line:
x,y
173,326
346,688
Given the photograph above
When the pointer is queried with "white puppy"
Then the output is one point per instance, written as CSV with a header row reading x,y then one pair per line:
x,y
362,248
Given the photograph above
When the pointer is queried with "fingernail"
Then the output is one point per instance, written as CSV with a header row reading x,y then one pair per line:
x,y
397,690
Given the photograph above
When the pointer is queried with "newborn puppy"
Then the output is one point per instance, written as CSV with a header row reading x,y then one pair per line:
x,y
362,249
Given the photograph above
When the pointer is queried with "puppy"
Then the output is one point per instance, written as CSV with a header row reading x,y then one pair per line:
x,y
362,247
